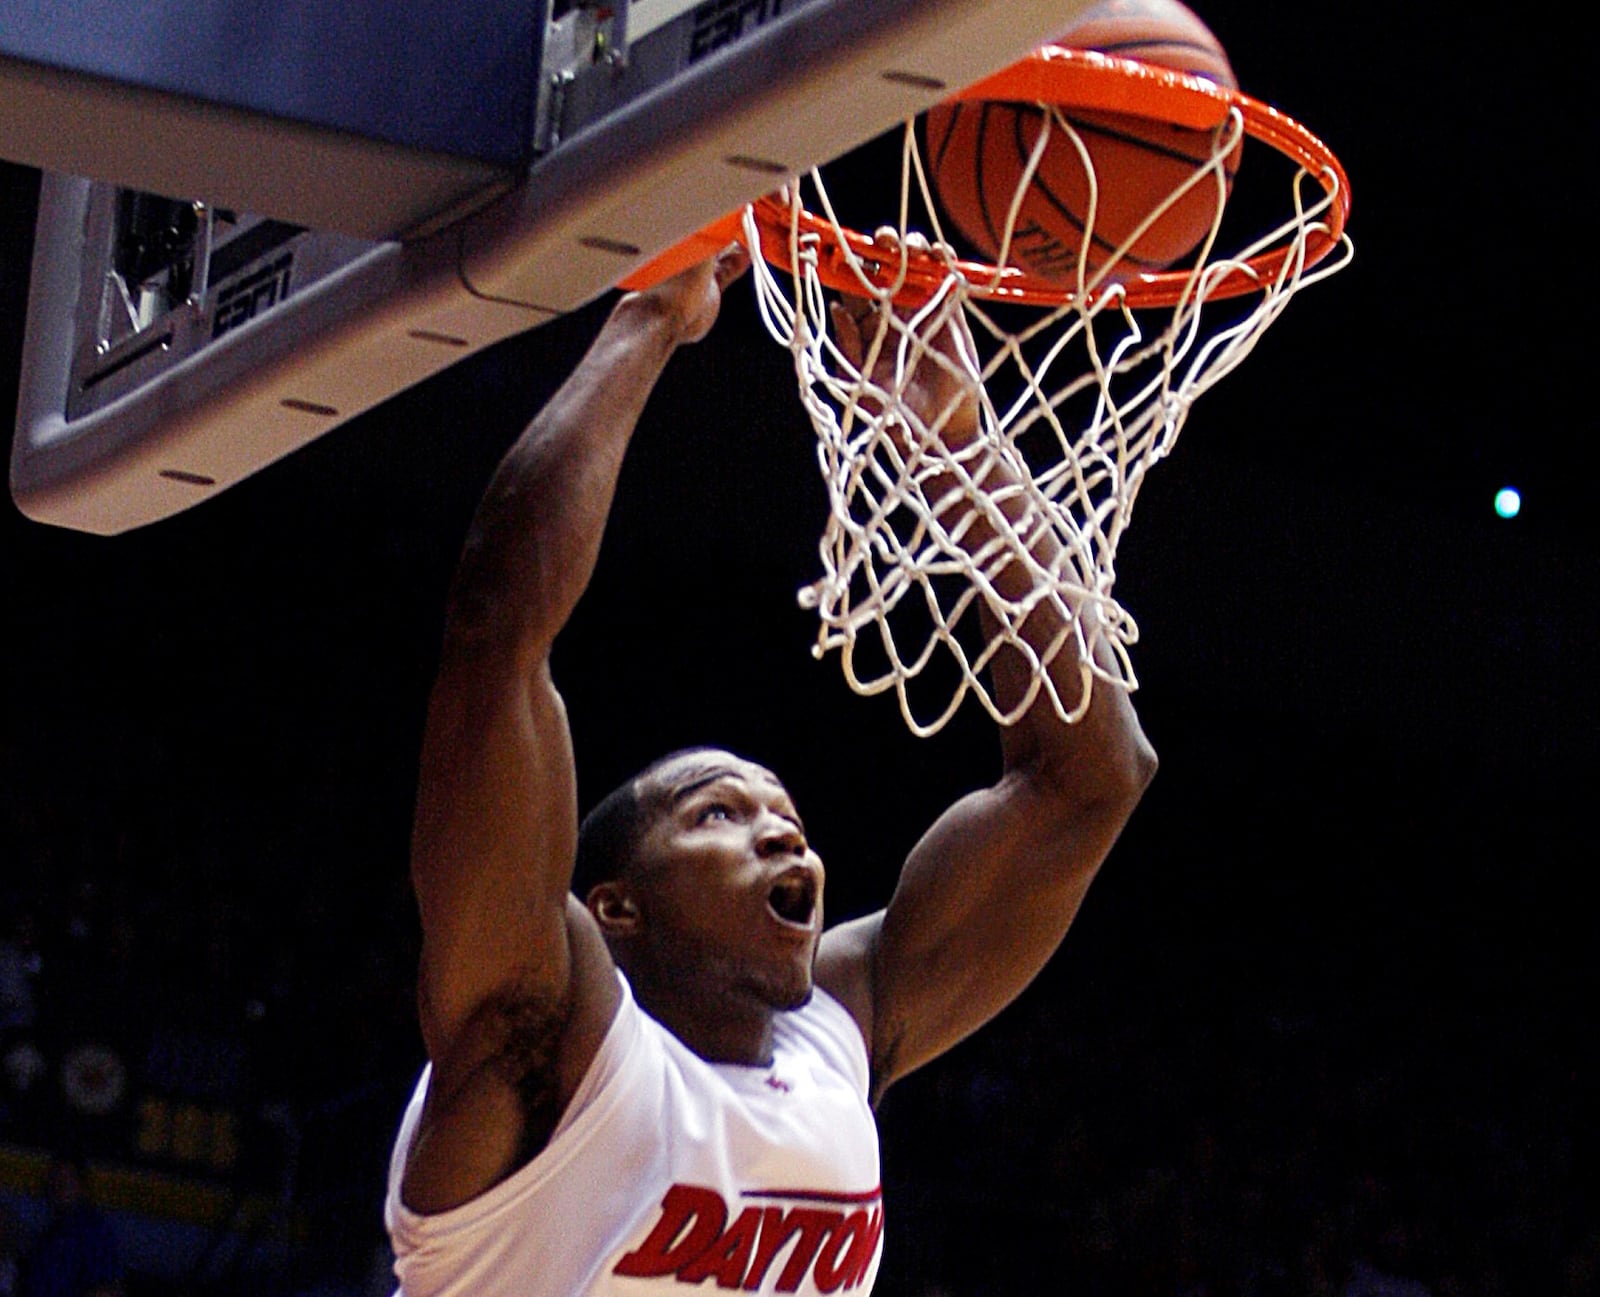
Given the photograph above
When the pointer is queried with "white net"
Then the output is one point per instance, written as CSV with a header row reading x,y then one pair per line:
x,y
981,457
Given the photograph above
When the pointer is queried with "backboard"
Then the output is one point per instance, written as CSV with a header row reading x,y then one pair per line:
x,y
243,244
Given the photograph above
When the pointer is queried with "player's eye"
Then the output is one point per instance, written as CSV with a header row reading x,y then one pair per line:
x,y
713,812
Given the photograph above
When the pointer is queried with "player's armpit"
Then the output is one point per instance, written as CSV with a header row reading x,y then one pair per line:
x,y
501,1085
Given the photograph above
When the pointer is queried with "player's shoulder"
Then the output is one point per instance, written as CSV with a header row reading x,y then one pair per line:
x,y
597,993
844,968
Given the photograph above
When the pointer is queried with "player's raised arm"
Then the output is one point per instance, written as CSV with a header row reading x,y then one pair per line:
x,y
515,986
988,893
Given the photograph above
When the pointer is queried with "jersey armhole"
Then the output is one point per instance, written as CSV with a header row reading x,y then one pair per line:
x,y
601,1088
841,1027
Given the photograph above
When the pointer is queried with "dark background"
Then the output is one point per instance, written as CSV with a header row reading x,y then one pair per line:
x,y
1328,1005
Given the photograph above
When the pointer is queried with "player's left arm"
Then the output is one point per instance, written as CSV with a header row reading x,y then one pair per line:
x,y
987,895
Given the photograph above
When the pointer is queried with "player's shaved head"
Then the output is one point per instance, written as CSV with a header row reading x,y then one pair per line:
x,y
609,835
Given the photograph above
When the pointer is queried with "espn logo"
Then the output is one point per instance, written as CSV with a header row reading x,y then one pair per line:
x,y
724,21
258,291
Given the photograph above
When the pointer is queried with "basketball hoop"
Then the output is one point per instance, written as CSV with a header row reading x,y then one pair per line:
x,y
1082,386
1055,77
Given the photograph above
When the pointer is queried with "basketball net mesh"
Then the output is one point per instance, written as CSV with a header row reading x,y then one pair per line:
x,y
1076,402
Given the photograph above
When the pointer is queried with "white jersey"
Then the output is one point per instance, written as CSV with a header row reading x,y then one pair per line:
x,y
667,1170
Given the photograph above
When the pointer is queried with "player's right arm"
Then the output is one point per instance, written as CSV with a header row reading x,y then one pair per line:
x,y
515,986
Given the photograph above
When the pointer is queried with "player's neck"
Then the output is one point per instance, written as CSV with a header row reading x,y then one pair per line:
x,y
720,1028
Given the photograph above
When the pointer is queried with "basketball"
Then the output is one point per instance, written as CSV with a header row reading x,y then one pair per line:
x,y
978,151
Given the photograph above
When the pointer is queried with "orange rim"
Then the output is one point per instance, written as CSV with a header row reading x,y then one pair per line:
x,y
1073,79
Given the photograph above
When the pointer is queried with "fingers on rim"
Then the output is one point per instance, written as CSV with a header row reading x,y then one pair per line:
x,y
888,236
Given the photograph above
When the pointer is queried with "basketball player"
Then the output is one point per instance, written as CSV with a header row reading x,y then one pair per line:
x,y
669,1078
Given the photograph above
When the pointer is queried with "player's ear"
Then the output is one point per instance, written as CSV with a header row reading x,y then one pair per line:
x,y
614,910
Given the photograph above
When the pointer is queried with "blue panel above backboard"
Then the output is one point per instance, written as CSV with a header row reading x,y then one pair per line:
x,y
434,75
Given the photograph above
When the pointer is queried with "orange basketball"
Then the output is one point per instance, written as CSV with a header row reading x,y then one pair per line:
x,y
978,151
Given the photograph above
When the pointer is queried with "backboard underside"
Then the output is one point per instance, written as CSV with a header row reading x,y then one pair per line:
x,y
177,345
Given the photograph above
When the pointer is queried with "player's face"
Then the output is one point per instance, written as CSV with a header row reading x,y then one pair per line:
x,y
726,874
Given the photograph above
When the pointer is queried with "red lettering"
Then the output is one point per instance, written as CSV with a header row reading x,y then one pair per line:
x,y
727,1258
690,1242
815,1226
775,1232
691,1221
859,1259
836,1261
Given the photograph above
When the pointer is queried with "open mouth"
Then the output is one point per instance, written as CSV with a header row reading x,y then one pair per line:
x,y
793,898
